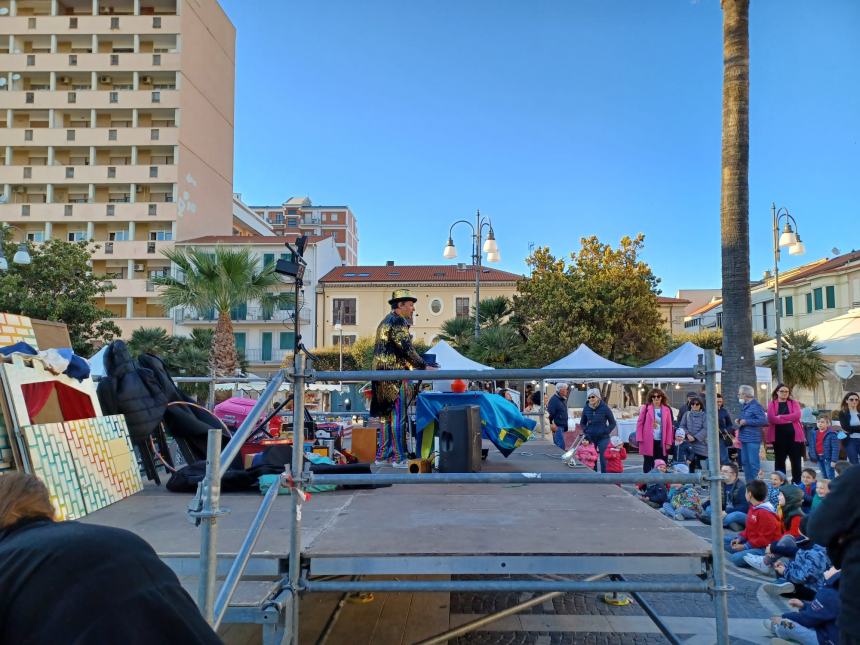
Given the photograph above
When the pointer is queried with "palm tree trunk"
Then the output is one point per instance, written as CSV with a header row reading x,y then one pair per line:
x,y
738,357
224,358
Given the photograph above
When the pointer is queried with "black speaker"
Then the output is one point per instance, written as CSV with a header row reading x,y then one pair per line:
x,y
460,439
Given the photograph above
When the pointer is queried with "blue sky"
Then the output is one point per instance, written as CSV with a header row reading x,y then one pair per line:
x,y
556,118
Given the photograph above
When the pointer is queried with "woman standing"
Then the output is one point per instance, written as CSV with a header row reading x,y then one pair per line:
x,y
785,431
695,424
849,419
654,430
597,423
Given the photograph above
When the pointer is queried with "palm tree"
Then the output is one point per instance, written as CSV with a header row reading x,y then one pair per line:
x,y
459,332
498,347
802,362
152,340
738,358
494,311
221,281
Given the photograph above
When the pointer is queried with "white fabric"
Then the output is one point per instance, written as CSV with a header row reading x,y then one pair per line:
x,y
54,361
839,336
584,358
97,362
687,355
449,358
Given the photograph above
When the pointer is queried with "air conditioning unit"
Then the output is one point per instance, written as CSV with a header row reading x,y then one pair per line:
x,y
139,268
146,79
105,79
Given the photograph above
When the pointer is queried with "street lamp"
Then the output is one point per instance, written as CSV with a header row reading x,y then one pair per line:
x,y
788,237
489,247
339,329
22,255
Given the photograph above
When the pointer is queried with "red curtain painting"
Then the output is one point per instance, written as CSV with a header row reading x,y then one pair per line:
x,y
73,404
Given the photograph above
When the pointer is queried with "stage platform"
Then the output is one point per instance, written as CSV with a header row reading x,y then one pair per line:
x,y
434,529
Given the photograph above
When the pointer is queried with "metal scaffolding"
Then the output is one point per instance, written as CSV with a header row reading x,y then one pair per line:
x,y
205,507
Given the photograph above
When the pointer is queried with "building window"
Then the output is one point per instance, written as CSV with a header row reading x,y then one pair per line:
x,y
36,236
292,222
153,134
73,23
156,59
343,311
152,210
76,236
830,297
287,340
720,319
789,306
111,172
111,210
764,314
818,297
73,60
70,172
67,210
25,210
150,247
29,97
114,97
156,97
114,23
153,171
31,60
118,236
287,301
268,259
108,248
114,59
70,135
461,307
436,306
28,135
156,22
239,337
809,303
160,236
347,340
28,173
72,97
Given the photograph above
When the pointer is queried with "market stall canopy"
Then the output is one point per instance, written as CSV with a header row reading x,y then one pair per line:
x,y
450,359
839,336
584,358
687,355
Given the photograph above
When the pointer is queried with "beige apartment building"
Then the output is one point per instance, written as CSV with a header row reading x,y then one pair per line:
x,y
298,215
116,125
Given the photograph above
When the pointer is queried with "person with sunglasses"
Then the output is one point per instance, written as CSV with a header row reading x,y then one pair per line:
x,y
597,423
695,424
654,429
785,431
849,419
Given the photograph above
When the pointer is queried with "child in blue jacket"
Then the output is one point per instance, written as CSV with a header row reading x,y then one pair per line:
x,y
813,621
824,449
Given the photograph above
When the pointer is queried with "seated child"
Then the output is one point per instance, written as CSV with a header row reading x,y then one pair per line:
x,y
763,526
682,451
655,495
614,455
586,454
824,450
777,478
807,485
813,621
790,500
840,467
822,487
684,501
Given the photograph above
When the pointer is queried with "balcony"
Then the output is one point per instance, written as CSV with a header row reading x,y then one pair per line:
x,y
134,288
139,174
87,136
250,315
99,62
276,356
137,250
45,99
89,24
138,212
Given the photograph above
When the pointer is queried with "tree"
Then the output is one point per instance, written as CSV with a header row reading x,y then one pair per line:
x,y
605,297
738,356
219,280
458,332
494,311
710,339
803,365
362,352
152,340
499,346
58,285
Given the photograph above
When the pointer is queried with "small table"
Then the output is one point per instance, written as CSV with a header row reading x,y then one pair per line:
x,y
501,421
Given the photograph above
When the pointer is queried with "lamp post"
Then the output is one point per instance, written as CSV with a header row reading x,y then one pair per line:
x,y
489,247
339,329
22,255
791,239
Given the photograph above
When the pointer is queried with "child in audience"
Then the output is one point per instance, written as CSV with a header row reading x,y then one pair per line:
x,y
840,467
821,490
790,513
763,526
777,478
807,486
813,621
682,451
825,448
655,495
586,454
614,455
684,503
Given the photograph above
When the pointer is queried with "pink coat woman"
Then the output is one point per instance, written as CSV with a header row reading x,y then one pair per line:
x,y
645,429
793,417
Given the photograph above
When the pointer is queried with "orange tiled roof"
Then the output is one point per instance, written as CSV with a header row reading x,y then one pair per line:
x,y
665,300
416,273
706,307
824,266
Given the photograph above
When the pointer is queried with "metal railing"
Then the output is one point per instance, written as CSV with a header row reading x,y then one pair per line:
x,y
205,507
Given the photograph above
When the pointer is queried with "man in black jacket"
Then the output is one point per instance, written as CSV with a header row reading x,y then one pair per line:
x,y
836,525
66,582
556,409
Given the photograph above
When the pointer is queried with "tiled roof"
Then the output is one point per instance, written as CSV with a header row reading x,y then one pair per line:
x,y
665,300
413,273
249,239
818,268
704,308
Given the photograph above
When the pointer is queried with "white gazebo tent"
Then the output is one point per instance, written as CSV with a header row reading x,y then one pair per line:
x,y
449,358
584,358
687,355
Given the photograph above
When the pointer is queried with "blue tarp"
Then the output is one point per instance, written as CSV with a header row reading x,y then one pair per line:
x,y
501,421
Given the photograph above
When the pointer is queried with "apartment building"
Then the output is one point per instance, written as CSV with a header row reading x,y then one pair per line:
x,y
809,294
298,215
116,125
266,336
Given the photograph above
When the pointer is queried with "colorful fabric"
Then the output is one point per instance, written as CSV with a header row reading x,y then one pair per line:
x,y
391,437
688,496
393,351
501,421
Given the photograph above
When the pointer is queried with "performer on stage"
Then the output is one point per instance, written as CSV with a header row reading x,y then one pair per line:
x,y
393,351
